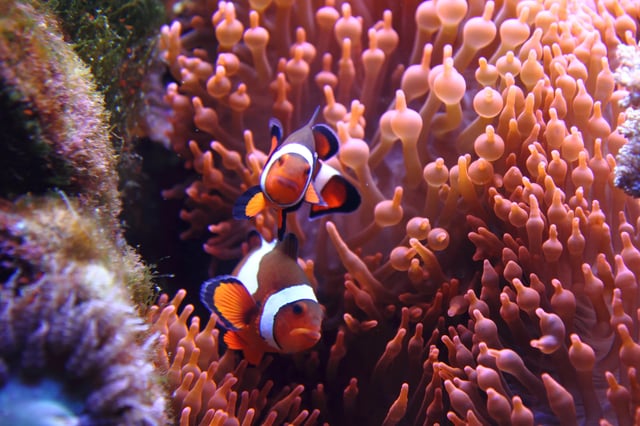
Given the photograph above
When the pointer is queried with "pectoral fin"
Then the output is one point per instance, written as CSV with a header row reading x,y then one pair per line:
x,y
249,204
311,195
229,299
337,192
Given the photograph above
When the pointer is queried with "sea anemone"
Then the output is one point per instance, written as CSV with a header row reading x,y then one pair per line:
x,y
492,253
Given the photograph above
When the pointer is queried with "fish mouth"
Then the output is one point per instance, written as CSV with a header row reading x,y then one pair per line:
x,y
288,183
306,333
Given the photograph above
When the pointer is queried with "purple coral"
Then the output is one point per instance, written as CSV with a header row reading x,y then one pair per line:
x,y
67,323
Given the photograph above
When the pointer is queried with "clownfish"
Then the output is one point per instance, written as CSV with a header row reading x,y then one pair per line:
x,y
267,305
294,172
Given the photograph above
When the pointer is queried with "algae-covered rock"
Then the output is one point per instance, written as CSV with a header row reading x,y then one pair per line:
x,y
40,235
54,124
72,346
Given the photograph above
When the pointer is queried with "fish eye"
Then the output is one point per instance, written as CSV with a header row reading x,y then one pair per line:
x,y
280,161
307,169
297,308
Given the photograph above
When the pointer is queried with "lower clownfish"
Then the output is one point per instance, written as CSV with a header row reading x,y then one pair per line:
x,y
294,172
267,305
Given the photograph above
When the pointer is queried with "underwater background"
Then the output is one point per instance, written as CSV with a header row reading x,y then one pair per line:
x,y
489,276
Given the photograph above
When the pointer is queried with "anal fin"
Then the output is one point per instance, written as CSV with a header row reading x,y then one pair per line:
x,y
233,340
247,341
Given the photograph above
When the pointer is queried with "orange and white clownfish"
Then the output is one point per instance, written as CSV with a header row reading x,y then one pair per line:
x,y
267,305
295,173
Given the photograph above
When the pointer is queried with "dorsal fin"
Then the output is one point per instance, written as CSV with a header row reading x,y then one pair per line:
x,y
253,240
312,120
275,127
289,246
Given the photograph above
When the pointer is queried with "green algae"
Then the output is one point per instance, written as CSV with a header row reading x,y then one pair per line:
x,y
115,38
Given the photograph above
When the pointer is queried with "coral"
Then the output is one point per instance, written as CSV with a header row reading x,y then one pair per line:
x,y
38,233
491,273
627,169
72,346
55,132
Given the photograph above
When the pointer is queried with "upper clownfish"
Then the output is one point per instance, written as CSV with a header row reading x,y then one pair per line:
x,y
294,173
267,305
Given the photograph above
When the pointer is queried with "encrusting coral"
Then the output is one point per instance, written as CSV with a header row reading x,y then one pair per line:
x,y
491,272
72,347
